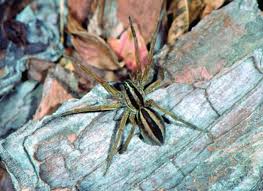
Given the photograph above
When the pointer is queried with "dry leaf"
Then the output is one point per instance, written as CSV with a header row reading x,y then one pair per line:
x,y
184,12
81,9
211,5
144,13
104,21
95,23
94,51
54,94
73,25
124,48
37,69
91,48
67,64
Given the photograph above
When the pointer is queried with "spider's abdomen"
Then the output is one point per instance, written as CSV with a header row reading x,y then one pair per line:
x,y
134,98
151,125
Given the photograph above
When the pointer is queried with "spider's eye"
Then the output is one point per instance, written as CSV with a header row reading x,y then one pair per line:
x,y
126,85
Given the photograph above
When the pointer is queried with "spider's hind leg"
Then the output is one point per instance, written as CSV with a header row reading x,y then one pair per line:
x,y
124,147
165,119
114,148
171,114
152,86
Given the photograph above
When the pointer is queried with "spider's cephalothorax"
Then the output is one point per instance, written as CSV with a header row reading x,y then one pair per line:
x,y
138,111
133,96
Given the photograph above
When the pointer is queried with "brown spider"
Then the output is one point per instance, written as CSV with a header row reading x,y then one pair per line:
x,y
131,97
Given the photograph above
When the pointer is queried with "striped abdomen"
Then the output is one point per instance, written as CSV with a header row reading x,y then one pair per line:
x,y
151,125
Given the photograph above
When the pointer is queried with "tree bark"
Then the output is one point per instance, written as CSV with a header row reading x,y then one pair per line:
x,y
69,153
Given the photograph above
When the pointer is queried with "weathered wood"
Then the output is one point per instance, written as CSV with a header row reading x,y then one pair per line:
x,y
43,43
70,152
19,106
217,42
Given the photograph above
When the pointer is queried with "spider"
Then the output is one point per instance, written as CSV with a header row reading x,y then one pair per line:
x,y
131,97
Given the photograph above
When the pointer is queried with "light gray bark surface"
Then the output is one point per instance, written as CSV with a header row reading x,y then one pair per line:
x,y
19,106
69,153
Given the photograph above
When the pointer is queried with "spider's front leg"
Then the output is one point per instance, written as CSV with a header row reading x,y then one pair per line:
x,y
91,108
86,109
145,75
155,85
109,88
152,103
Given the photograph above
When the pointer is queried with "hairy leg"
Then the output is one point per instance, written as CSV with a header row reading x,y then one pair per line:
x,y
157,84
91,108
113,149
109,88
124,147
138,72
171,114
145,75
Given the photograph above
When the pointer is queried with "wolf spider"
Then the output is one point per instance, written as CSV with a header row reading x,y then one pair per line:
x,y
131,97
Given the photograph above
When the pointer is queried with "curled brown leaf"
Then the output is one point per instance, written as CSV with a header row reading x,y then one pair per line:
x,y
184,13
211,5
145,14
91,48
81,9
37,69
124,48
